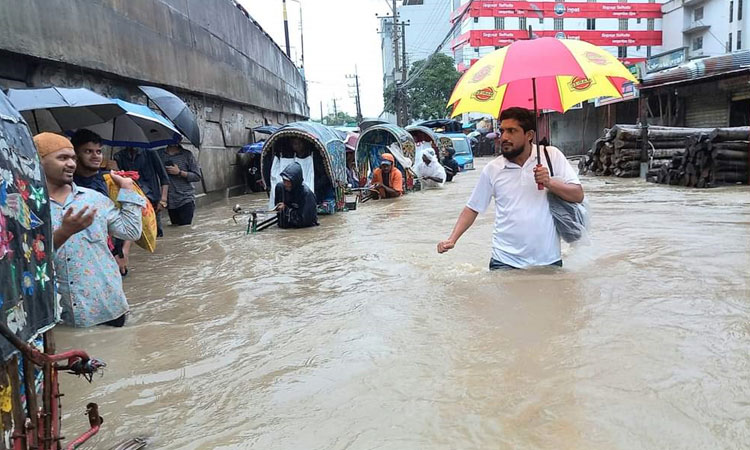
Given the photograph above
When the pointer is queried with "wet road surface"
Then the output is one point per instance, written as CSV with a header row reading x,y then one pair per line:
x,y
357,335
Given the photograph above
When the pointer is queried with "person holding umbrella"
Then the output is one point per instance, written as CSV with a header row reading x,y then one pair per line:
x,y
525,233
506,81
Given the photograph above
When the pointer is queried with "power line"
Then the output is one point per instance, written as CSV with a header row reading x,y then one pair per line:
x,y
422,37
412,78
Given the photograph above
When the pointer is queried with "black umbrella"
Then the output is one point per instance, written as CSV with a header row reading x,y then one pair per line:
x,y
177,111
450,125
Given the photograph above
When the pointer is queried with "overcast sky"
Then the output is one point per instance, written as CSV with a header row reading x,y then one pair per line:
x,y
338,35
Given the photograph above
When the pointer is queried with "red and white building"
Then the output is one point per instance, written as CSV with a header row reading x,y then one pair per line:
x,y
630,30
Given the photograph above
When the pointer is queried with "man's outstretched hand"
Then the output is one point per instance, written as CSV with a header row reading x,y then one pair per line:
x,y
444,246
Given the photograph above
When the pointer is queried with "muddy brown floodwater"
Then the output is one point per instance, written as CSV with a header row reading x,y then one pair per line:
x,y
357,335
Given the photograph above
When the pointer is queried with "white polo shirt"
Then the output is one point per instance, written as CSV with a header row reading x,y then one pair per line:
x,y
525,233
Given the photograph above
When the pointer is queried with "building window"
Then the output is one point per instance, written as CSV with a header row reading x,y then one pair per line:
x,y
499,23
698,43
650,24
622,52
729,44
521,23
739,9
623,24
739,40
731,10
638,21
591,24
698,14
648,51
558,25
541,20
476,20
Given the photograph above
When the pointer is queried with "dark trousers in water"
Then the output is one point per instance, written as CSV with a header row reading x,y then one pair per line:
x,y
119,322
182,215
497,265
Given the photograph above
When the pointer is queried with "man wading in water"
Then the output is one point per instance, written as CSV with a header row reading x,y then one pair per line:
x,y
524,234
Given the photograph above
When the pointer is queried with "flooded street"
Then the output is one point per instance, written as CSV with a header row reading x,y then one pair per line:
x,y
358,335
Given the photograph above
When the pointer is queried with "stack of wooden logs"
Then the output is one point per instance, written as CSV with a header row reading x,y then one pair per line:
x,y
718,157
618,151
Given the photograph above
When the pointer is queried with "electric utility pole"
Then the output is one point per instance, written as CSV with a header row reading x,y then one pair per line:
x,y
404,73
357,98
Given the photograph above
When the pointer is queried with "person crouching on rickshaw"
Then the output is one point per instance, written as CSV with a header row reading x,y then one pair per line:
x,y
297,207
387,181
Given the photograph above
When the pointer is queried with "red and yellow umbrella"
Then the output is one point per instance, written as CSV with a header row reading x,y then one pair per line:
x,y
547,73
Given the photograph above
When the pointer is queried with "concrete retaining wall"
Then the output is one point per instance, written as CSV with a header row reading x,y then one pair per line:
x,y
230,73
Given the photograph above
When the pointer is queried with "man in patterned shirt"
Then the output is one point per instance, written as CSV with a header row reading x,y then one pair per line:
x,y
86,271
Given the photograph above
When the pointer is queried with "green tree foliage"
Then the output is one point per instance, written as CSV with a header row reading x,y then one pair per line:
x,y
429,93
340,119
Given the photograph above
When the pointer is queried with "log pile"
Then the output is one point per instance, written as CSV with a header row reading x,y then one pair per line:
x,y
618,151
718,157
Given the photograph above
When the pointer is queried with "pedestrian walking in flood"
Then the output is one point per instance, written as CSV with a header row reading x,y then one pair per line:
x,y
154,180
87,278
89,174
525,233
183,171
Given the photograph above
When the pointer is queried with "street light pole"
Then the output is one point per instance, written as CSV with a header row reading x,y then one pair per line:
x,y
286,30
301,37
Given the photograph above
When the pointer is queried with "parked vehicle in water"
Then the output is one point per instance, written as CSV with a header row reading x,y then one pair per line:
x,y
322,155
462,146
385,138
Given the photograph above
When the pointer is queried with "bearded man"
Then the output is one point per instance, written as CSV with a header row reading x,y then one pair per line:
x,y
525,233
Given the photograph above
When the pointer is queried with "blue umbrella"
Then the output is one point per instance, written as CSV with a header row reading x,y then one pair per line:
x,y
60,109
256,148
138,127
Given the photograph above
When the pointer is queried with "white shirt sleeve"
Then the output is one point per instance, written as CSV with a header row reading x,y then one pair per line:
x,y
482,194
563,169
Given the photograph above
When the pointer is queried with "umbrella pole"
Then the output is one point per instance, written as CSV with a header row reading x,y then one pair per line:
x,y
539,186
36,123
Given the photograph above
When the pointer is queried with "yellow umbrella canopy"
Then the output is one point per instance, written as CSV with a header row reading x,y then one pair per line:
x,y
558,73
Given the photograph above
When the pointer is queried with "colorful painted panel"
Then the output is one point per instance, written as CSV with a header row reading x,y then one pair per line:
x,y
28,302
